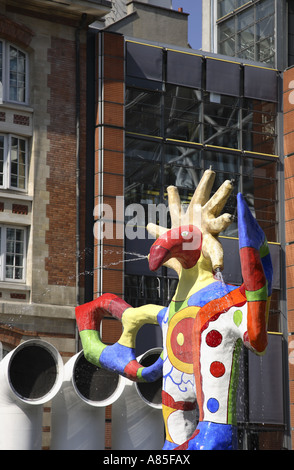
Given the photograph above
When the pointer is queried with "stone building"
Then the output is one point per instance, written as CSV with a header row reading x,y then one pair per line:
x,y
95,108
43,157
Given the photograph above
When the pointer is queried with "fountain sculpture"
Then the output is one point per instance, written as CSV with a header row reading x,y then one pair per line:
x,y
204,325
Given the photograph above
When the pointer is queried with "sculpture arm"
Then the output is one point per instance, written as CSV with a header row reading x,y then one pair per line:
x,y
119,357
257,275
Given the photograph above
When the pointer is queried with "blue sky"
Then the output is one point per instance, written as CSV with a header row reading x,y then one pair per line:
x,y
194,8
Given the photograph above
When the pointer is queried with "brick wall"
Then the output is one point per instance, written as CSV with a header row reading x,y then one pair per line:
x,y
109,163
61,159
289,219
109,158
42,309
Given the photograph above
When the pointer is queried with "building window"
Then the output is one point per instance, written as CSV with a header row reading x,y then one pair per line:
x,y
182,113
224,7
249,32
163,164
13,74
12,254
13,162
222,120
193,130
259,126
143,108
198,116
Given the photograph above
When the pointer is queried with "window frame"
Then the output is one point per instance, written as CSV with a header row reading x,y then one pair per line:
x,y
5,82
235,35
7,163
3,254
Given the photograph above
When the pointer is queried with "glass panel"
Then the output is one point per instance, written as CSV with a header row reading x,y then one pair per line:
x,y
226,29
18,273
142,179
9,272
245,18
265,28
144,61
182,114
182,169
143,149
248,53
266,400
17,66
184,69
9,259
2,160
223,77
10,233
259,126
143,188
240,3
274,321
224,7
260,191
1,60
182,177
184,156
260,83
9,245
260,143
249,27
228,47
245,38
265,8
18,163
227,167
221,120
140,290
14,253
14,149
266,50
143,112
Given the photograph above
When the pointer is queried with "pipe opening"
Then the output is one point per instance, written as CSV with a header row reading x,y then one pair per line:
x,y
93,383
32,372
150,392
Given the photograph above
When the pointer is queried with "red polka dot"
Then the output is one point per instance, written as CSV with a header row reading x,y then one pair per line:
x,y
217,369
213,338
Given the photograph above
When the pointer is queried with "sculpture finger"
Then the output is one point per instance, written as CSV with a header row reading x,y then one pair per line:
x,y
203,190
215,226
213,250
174,203
217,202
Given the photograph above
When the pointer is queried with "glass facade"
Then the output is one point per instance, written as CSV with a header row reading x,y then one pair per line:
x,y
212,114
247,29
174,132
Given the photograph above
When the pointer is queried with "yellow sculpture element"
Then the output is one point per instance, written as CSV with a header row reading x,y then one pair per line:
x,y
133,319
204,213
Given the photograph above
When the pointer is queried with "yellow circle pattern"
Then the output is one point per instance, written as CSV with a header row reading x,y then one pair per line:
x,y
188,312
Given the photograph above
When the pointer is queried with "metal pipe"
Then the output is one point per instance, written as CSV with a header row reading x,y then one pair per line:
x,y
30,376
137,422
78,113
78,410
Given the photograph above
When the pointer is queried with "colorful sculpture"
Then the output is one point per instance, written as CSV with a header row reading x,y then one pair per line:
x,y
205,324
